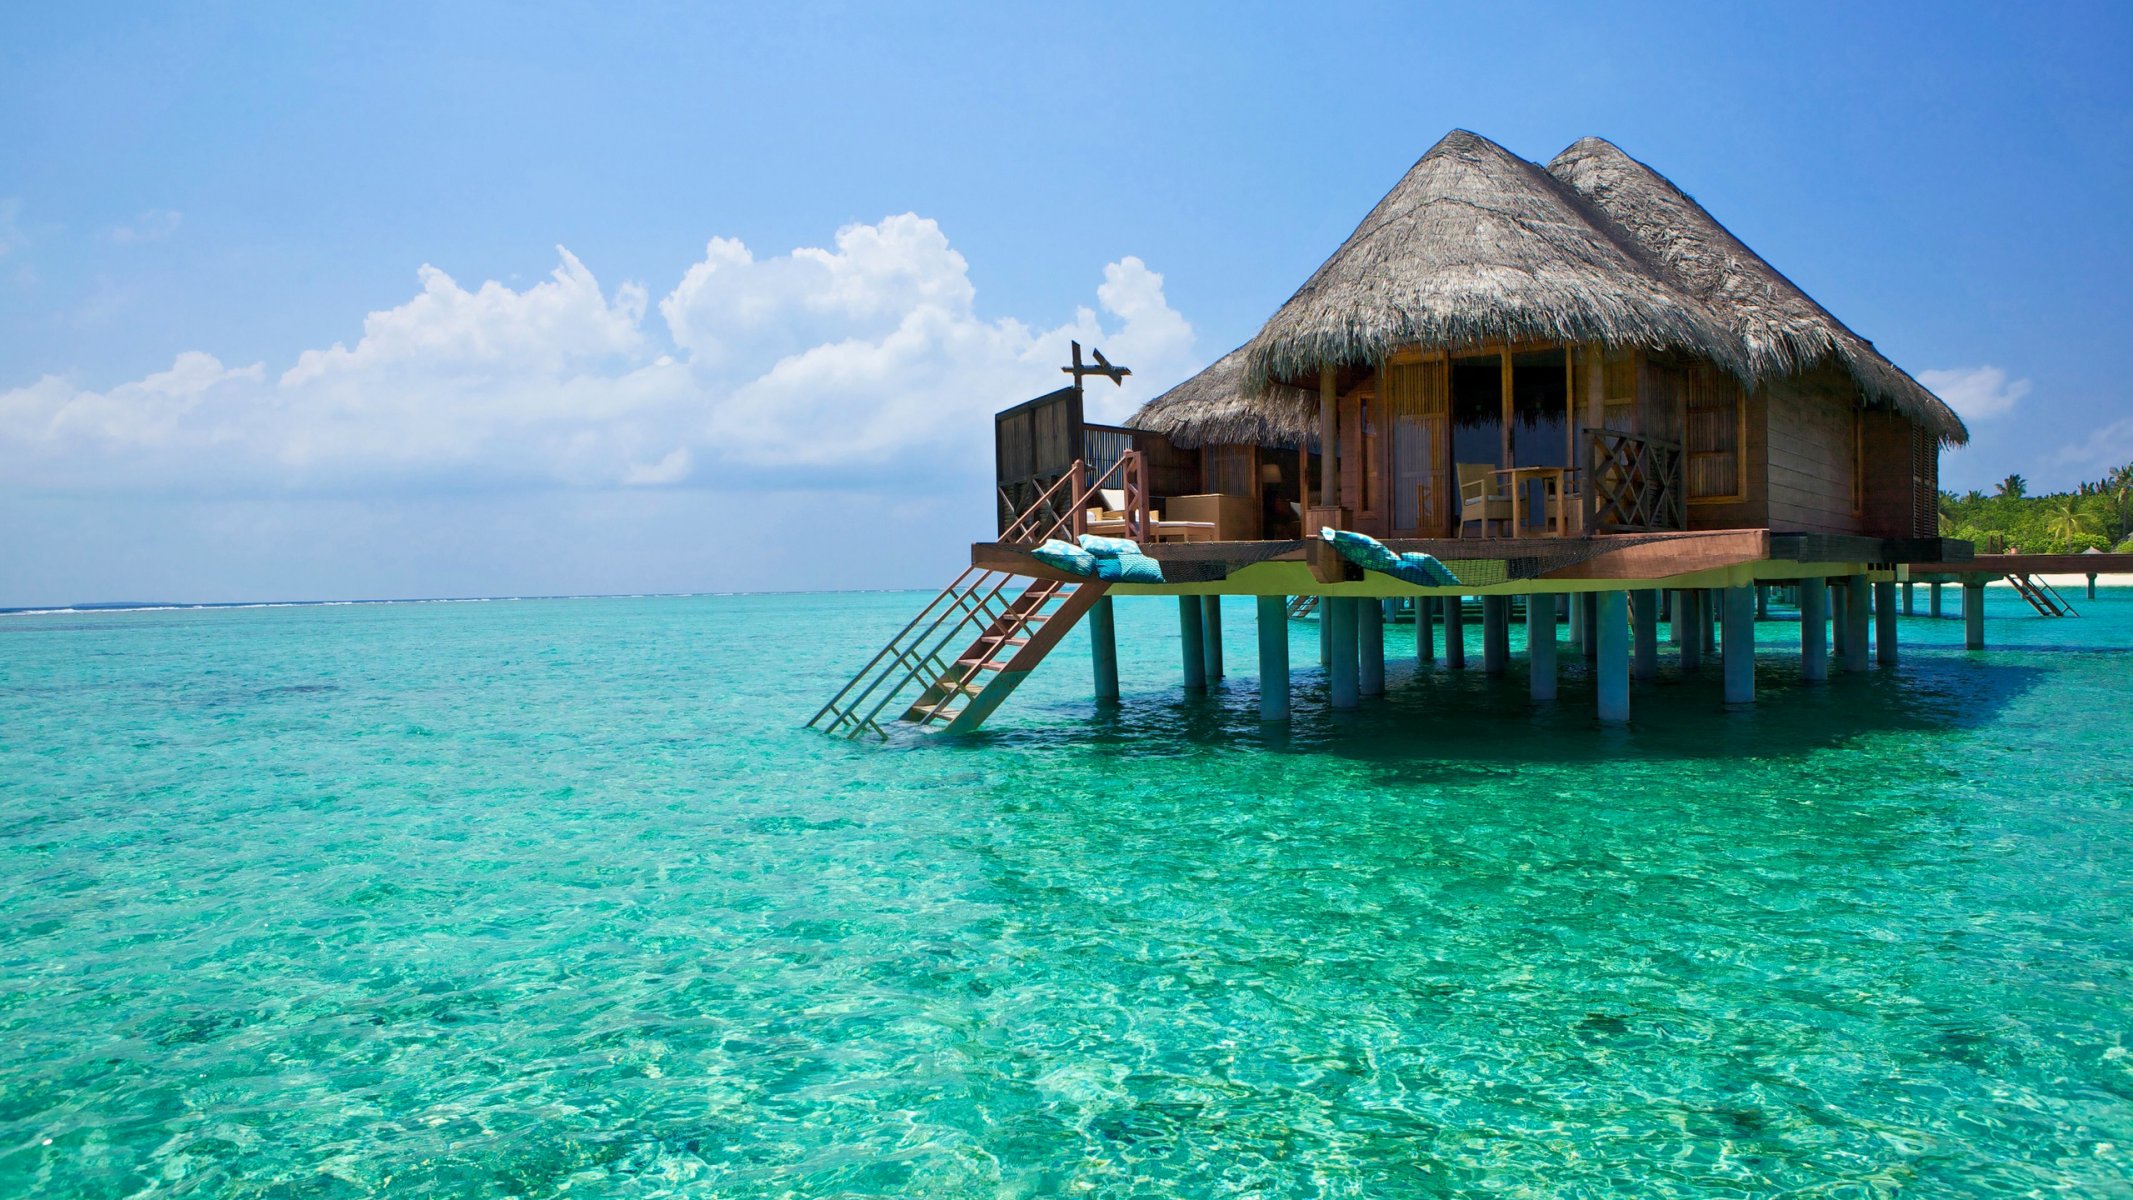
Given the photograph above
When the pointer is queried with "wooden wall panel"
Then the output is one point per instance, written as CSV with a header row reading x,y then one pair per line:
x,y
1753,510
1890,495
1808,433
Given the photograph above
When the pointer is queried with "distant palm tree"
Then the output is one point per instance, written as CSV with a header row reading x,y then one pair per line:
x,y
2067,521
2118,485
2014,487
1973,496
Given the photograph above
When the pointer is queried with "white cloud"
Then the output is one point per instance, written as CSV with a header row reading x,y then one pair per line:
x,y
2101,449
1976,393
866,358
151,226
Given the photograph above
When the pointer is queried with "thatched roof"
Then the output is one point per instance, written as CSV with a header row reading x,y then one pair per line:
x,y
1476,244
1781,330
1214,409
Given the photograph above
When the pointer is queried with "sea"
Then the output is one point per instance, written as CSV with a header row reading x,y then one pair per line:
x,y
560,898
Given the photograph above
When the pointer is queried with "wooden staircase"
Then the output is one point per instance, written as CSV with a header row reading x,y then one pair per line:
x,y
2042,596
1302,606
1004,624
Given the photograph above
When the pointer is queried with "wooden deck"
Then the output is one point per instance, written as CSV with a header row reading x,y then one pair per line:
x,y
1509,565
2029,564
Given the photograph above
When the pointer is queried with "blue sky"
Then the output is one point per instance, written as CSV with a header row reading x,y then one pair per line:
x,y
356,301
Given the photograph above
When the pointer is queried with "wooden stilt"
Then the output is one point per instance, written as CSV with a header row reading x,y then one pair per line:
x,y
1910,599
1103,650
1592,625
1885,623
2092,585
1540,646
1762,602
1495,633
1341,681
1610,615
1190,634
1677,618
1273,658
1933,599
1325,633
1739,658
1689,621
1425,629
1211,636
1455,632
1707,618
1644,629
1858,600
1814,629
1578,601
1974,615
1370,645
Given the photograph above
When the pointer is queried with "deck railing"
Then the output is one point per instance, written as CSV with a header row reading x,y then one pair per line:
x,y
1632,483
1061,510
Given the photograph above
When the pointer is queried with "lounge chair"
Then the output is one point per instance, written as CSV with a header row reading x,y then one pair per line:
x,y
1482,497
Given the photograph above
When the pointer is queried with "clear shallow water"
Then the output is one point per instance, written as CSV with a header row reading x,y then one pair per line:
x,y
555,898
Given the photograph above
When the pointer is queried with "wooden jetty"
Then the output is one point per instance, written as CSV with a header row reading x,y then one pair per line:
x,y
1567,383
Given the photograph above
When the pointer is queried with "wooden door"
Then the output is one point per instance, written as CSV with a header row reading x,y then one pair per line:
x,y
1417,448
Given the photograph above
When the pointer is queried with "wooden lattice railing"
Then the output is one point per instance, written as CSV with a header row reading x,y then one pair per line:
x,y
1632,483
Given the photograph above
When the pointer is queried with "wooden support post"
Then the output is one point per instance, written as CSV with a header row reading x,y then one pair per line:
x,y
1495,633
1973,615
1325,633
1910,598
1762,602
1709,600
1576,621
1933,599
1189,635
1814,629
1540,645
1688,619
1644,628
1858,600
1273,658
1837,588
1329,475
1885,623
1610,613
1455,632
1425,629
2092,585
1592,625
1740,645
1103,649
1341,618
1370,645
1211,636
1677,618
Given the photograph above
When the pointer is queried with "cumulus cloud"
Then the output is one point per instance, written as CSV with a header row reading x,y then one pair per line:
x,y
1976,393
866,357
151,226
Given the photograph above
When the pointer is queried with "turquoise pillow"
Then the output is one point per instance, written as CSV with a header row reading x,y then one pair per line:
x,y
1129,568
1109,547
1065,556
1361,549
1424,569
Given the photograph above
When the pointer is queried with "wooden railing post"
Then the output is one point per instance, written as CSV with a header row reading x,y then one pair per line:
x,y
1078,519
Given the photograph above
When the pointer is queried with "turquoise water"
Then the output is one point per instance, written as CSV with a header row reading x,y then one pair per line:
x,y
554,898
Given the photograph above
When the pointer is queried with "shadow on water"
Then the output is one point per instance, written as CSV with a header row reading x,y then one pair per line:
x,y
1429,713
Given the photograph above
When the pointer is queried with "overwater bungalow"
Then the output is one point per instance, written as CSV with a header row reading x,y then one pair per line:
x,y
1564,391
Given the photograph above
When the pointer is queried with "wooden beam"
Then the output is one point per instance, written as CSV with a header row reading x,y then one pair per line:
x,y
1328,444
1672,556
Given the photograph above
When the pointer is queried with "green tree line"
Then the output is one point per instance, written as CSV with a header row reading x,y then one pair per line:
x,y
2097,514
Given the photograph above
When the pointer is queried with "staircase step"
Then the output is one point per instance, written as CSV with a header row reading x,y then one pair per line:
x,y
982,664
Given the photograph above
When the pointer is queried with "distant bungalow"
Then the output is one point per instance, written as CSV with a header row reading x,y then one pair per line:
x,y
1566,389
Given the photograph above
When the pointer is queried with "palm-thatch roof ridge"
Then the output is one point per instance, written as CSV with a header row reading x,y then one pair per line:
x,y
1476,244
1214,408
1780,330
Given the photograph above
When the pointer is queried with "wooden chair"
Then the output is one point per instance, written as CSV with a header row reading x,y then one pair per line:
x,y
1481,497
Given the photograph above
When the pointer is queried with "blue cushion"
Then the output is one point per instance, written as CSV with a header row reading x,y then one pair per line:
x,y
1109,547
1066,556
1129,568
1373,555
